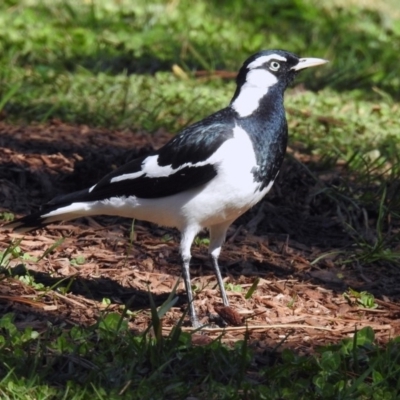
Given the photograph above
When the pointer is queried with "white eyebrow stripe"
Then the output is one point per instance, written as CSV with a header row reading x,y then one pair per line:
x,y
262,60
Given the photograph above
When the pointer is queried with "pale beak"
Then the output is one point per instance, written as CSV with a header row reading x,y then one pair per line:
x,y
308,62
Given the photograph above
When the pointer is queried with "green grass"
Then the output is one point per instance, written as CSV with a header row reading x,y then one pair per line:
x,y
83,363
110,63
92,62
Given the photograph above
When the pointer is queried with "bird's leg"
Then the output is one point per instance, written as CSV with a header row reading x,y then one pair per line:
x,y
186,243
217,238
214,260
186,277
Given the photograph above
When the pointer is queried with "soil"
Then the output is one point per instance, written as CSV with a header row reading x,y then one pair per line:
x,y
276,243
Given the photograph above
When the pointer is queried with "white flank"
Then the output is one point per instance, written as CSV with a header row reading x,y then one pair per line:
x,y
258,81
269,186
264,59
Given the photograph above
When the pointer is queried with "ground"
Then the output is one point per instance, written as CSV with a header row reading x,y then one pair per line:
x,y
280,241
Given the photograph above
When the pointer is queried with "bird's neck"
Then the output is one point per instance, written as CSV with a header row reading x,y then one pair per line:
x,y
267,127
261,109
251,93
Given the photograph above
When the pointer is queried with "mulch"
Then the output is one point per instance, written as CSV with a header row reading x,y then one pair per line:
x,y
275,242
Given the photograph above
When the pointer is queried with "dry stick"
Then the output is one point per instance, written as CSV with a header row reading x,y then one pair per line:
x,y
68,300
255,327
279,326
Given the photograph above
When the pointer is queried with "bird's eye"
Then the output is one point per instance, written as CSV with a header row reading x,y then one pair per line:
x,y
274,66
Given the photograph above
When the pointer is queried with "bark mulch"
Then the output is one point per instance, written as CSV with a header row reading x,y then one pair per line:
x,y
274,242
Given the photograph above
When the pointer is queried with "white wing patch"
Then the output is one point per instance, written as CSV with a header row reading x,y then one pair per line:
x,y
151,169
124,177
90,189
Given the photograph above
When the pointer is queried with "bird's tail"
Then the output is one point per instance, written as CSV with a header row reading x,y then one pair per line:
x,y
62,208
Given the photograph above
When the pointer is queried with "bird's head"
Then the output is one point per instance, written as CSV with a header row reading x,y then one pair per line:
x,y
264,70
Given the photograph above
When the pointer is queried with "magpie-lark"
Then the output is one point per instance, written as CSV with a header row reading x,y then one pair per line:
x,y
206,176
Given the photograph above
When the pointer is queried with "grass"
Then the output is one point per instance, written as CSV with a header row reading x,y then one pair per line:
x,y
80,363
135,64
103,53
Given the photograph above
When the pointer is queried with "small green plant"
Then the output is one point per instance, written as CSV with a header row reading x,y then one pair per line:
x,y
10,335
167,238
292,301
363,299
252,289
105,302
13,251
78,260
56,244
199,241
234,288
6,216
29,258
30,281
132,238
381,247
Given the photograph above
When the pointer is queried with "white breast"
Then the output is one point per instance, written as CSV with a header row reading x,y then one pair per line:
x,y
233,191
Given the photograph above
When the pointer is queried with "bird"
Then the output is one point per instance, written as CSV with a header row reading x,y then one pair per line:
x,y
206,176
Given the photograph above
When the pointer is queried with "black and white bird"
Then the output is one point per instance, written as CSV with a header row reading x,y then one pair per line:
x,y
205,177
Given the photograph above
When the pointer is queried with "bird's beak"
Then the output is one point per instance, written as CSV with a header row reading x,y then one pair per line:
x,y
308,62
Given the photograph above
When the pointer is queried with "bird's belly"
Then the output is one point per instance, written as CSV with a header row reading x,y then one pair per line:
x,y
221,200
205,206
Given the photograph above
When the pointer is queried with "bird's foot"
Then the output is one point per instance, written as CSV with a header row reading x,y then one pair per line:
x,y
196,324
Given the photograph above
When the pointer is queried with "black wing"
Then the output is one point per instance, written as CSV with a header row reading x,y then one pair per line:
x,y
185,156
